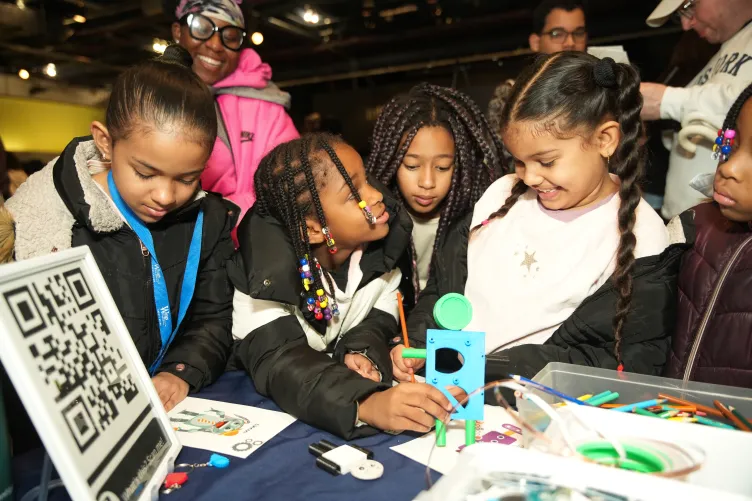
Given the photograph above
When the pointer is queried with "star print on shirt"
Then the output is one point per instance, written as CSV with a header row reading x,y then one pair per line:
x,y
529,260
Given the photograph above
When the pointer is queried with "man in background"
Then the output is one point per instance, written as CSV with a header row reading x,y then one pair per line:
x,y
558,25
709,95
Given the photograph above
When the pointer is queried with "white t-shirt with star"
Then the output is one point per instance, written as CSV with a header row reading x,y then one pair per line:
x,y
529,271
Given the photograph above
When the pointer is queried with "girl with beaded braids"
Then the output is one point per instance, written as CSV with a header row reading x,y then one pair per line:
x,y
316,306
435,150
563,261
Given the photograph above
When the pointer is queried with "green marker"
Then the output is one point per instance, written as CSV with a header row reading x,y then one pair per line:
x,y
599,400
414,353
441,433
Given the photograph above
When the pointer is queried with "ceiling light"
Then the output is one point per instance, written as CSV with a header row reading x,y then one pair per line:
x,y
159,46
50,70
257,38
23,74
79,18
310,16
21,4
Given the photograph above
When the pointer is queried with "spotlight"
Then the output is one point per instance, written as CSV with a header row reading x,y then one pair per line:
x,y
257,38
159,46
23,74
310,16
50,70
79,19
21,4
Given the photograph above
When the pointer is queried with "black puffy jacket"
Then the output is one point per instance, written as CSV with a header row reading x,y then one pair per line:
x,y
200,350
586,337
315,386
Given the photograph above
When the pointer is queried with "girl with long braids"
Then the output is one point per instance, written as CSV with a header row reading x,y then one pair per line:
x,y
317,305
563,261
435,150
714,321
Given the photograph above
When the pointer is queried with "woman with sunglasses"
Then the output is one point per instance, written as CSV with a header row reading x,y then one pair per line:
x,y
251,108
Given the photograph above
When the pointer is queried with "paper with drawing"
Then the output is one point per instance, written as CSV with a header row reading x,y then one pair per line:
x,y
237,430
497,427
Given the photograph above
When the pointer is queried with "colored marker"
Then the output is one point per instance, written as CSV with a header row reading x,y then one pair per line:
x,y
546,389
597,402
640,405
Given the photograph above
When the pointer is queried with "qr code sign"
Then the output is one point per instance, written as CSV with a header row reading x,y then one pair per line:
x,y
71,343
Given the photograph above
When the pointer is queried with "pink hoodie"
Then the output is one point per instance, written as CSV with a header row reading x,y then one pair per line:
x,y
254,126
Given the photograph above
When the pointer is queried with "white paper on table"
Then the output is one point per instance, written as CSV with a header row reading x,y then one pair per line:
x,y
443,459
237,430
615,52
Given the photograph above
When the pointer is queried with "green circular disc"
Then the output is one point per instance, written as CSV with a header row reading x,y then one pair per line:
x,y
638,459
453,312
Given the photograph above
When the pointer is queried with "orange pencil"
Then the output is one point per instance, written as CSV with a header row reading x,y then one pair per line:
x,y
730,416
681,401
404,326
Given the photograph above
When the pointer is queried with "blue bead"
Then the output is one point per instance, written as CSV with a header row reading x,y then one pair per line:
x,y
726,150
719,140
303,262
310,300
303,274
218,461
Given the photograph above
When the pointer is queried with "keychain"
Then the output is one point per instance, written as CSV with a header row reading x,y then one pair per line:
x,y
174,481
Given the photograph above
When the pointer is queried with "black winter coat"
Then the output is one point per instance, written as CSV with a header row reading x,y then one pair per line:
x,y
313,386
586,337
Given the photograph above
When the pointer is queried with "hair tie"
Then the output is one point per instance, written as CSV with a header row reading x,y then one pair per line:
x,y
604,73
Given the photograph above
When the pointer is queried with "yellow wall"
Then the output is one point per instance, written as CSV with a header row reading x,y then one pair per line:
x,y
31,125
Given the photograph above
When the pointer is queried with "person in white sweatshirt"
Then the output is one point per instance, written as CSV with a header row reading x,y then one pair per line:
x,y
710,94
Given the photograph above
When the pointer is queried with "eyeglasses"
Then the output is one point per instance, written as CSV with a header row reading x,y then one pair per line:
x,y
560,35
202,28
687,10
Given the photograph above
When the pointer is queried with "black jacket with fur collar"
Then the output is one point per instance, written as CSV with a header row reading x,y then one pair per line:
x,y
310,383
62,207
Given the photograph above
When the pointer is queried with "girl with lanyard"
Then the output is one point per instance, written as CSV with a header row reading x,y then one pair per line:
x,y
131,193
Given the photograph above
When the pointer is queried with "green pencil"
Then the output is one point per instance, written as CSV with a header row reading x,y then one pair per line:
x,y
712,422
643,412
741,418
595,401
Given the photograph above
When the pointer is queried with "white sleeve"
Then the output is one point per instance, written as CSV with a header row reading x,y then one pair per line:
x,y
249,314
387,300
712,101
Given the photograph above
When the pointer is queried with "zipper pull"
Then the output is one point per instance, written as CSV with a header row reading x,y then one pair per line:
x,y
144,250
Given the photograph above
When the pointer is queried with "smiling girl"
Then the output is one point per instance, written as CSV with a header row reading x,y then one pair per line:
x,y
563,261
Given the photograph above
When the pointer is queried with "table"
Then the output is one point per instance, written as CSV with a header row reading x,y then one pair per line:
x,y
282,469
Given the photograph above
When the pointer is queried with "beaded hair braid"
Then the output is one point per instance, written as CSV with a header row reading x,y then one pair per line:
x,y
726,136
287,183
479,154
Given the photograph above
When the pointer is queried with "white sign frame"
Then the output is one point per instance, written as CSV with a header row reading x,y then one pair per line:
x,y
78,458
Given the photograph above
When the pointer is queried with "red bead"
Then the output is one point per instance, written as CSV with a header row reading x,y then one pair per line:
x,y
620,368
720,132
333,250
319,316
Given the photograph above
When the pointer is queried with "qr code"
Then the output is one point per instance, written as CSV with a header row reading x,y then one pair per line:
x,y
70,340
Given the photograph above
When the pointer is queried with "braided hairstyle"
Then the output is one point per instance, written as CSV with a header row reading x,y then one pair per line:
x,y
733,115
287,183
479,152
572,93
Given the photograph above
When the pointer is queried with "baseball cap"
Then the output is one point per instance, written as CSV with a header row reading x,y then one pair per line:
x,y
664,10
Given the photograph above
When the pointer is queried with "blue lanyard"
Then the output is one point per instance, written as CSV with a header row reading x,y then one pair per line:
x,y
161,299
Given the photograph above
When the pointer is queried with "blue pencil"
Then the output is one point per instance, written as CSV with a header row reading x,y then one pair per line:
x,y
640,405
546,389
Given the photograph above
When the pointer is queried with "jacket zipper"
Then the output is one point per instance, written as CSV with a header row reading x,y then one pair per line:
x,y
709,310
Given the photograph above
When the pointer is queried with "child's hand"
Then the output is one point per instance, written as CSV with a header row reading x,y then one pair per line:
x,y
363,366
404,368
171,389
413,407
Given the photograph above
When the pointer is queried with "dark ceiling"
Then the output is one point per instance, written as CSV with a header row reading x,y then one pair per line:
x,y
353,38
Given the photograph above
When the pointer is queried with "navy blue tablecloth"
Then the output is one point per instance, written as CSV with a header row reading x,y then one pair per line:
x,y
282,469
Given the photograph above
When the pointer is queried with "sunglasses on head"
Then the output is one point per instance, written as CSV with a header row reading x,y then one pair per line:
x,y
202,28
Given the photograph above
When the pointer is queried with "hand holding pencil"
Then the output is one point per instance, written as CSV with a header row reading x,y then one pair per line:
x,y
404,368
